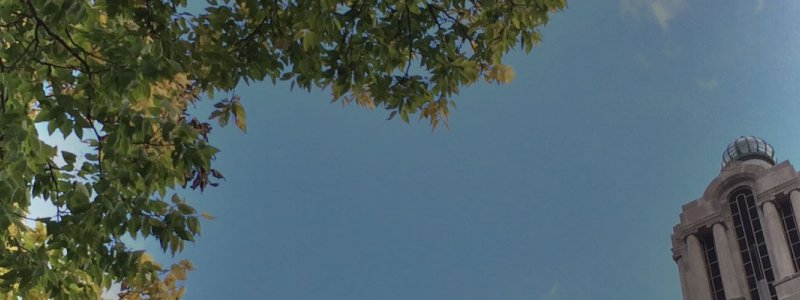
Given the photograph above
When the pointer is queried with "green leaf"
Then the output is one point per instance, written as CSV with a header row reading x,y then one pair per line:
x,y
68,157
186,209
310,40
155,222
414,9
91,156
194,225
176,199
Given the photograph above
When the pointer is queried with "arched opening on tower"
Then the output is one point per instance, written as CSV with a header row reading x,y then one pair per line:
x,y
752,246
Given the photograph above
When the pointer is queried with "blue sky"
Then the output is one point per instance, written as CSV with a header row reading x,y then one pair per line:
x,y
562,185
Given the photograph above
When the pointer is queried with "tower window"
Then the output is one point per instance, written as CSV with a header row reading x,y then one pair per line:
x,y
752,247
713,268
792,234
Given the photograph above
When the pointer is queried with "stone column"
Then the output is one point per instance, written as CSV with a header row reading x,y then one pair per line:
x,y
725,260
776,241
681,261
697,277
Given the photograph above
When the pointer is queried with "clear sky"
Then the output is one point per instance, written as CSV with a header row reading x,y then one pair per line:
x,y
562,185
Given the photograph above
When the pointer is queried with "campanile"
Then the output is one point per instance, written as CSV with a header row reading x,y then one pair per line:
x,y
740,240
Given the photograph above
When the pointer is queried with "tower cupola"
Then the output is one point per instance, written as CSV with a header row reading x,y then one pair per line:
x,y
747,148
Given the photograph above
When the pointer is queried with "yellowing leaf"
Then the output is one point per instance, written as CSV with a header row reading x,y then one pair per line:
x,y
207,216
508,75
240,116
102,19
179,272
187,264
500,73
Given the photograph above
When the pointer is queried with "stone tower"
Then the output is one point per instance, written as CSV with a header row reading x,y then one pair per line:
x,y
741,239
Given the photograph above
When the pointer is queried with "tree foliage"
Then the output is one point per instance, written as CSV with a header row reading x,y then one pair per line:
x,y
119,75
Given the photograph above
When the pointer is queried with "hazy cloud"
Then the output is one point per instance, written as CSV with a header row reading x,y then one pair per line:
x,y
553,291
708,84
552,294
659,11
759,5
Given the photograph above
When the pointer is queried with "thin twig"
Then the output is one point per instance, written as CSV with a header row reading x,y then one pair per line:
x,y
57,201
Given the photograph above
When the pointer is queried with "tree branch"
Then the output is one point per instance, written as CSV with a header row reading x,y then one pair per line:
x,y
57,38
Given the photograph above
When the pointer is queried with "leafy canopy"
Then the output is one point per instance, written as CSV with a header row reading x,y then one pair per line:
x,y
120,74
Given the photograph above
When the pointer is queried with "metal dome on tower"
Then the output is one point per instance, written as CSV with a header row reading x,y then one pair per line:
x,y
746,148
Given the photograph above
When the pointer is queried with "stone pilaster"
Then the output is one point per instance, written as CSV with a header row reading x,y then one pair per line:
x,y
725,258
776,241
697,276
